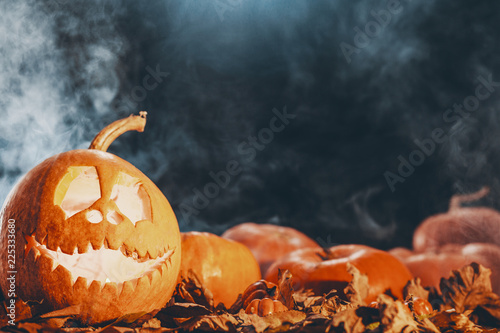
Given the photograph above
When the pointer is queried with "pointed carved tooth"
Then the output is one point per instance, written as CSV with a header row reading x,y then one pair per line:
x,y
67,249
94,284
74,278
145,280
155,276
133,283
127,289
81,282
54,265
43,240
150,276
104,282
119,288
84,248
98,245
141,253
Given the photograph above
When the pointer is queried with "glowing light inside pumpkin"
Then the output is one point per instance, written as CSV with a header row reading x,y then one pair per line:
x,y
131,199
103,265
78,190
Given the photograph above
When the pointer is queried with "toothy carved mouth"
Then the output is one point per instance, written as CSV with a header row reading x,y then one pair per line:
x,y
104,265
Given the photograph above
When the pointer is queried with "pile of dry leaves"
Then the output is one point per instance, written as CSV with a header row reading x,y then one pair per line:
x,y
466,304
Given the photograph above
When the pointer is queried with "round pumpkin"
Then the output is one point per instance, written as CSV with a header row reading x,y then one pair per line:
x,y
225,267
323,270
460,225
269,242
431,266
91,231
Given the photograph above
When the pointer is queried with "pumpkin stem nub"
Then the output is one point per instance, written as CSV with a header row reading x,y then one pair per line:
x,y
109,133
457,200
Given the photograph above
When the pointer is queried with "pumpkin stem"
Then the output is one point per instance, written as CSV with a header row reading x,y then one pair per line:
x,y
109,133
326,254
457,200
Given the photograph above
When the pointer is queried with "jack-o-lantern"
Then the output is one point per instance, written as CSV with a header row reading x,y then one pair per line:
x,y
91,231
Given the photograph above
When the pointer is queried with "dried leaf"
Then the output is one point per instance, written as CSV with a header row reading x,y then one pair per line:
x,y
152,323
185,310
285,287
224,322
274,321
115,329
348,321
452,321
426,325
30,327
395,316
414,288
22,312
357,290
65,312
332,304
469,289
191,290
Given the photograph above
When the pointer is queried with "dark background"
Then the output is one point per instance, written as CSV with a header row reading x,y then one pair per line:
x,y
71,67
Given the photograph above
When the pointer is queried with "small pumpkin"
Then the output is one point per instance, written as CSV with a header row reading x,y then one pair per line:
x,y
264,307
420,306
325,269
259,290
460,225
269,242
225,267
91,231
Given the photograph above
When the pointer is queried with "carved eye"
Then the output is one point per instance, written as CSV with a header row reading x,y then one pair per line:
x,y
131,199
77,190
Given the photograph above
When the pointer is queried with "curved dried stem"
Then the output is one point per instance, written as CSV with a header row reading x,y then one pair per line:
x,y
457,200
109,133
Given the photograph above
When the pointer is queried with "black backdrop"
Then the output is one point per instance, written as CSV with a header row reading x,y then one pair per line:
x,y
372,87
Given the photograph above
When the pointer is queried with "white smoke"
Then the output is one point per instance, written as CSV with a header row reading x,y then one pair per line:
x,y
41,100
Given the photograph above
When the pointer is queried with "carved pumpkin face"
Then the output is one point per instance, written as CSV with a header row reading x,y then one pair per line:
x,y
92,231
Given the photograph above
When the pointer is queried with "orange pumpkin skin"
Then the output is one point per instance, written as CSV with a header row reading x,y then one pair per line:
x,y
269,242
460,225
314,269
265,306
41,226
431,266
401,252
225,267
421,306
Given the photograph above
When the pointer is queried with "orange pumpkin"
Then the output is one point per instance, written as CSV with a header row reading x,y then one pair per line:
x,y
460,225
91,231
323,270
264,307
431,266
225,267
269,242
